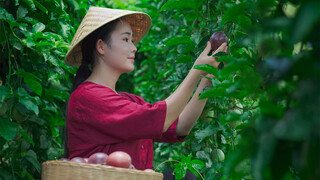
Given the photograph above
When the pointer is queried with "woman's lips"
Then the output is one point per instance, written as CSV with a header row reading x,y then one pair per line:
x,y
131,58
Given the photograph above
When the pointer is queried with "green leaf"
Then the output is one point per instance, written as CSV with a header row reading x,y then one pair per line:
x,y
5,174
4,15
58,94
44,142
197,164
226,59
203,133
51,58
39,27
5,93
34,85
31,156
205,156
207,68
244,21
15,43
25,135
305,20
185,59
39,6
21,12
233,13
172,4
30,3
31,81
233,66
65,28
146,48
269,108
233,116
29,104
75,4
8,129
179,171
215,92
3,30
52,154
178,40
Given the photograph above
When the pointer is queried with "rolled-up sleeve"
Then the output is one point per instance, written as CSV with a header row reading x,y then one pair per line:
x,y
170,136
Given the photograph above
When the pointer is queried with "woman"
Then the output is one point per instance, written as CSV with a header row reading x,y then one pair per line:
x,y
101,119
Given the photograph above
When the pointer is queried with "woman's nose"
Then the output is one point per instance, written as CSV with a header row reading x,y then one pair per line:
x,y
134,48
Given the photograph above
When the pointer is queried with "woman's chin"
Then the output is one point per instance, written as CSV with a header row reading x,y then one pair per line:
x,y
130,69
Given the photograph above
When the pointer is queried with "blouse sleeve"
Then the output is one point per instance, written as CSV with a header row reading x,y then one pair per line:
x,y
109,117
170,136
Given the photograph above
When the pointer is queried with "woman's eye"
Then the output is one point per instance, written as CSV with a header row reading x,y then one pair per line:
x,y
126,39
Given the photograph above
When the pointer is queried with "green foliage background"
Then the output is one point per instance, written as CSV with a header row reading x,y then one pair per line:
x,y
262,118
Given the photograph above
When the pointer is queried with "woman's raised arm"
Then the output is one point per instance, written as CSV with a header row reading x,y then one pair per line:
x,y
177,101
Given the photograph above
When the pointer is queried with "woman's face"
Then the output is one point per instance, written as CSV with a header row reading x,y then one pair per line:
x,y
120,55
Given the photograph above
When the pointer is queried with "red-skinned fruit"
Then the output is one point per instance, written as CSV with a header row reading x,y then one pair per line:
x,y
148,170
78,160
98,158
64,159
132,166
119,159
217,39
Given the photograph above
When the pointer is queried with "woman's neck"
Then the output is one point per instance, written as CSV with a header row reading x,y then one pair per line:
x,y
104,76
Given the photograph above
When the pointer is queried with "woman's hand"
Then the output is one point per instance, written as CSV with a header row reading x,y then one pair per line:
x,y
204,58
206,82
178,100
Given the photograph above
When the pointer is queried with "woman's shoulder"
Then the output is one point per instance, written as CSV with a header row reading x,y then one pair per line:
x,y
133,97
90,90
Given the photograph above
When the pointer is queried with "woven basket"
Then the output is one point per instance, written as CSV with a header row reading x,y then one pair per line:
x,y
62,170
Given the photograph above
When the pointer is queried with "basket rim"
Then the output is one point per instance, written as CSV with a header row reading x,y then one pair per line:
x,y
99,166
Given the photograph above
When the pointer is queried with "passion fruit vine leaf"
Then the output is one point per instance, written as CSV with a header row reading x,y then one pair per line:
x,y
207,68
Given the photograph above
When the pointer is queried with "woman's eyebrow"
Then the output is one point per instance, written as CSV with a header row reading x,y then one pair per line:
x,y
126,33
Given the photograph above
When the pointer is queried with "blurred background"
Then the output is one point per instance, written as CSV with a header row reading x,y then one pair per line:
x,y
262,118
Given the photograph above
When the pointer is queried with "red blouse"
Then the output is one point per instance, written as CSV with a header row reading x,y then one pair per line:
x,y
99,120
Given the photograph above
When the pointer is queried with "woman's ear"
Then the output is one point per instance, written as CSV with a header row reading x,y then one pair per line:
x,y
100,46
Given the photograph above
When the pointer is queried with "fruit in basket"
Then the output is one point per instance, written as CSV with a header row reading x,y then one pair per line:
x,y
148,170
86,159
98,158
64,159
119,159
132,166
78,160
217,39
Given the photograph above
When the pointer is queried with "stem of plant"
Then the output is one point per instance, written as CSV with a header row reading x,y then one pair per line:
x,y
198,173
157,168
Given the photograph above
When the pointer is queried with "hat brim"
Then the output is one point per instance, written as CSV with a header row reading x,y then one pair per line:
x,y
95,18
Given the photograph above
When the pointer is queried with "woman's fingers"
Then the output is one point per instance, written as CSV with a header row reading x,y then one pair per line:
x,y
207,49
221,48
225,49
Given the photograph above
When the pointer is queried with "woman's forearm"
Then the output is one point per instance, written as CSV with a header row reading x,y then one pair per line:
x,y
177,101
191,112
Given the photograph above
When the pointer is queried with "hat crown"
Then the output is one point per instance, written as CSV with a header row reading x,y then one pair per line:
x,y
95,18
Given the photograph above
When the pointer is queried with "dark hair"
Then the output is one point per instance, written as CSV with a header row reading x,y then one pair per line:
x,y
88,46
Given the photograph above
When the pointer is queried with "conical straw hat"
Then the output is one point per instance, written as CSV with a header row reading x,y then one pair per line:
x,y
96,17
